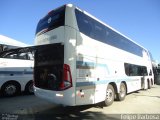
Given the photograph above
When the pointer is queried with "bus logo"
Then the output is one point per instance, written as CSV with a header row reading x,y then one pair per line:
x,y
49,20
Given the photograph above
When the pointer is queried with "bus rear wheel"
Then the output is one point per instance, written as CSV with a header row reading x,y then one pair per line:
x,y
122,93
110,94
149,84
29,88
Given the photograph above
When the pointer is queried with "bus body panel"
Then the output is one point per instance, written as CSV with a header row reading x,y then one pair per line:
x,y
53,36
108,68
67,36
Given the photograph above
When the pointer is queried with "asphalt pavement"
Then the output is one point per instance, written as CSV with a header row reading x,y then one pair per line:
x,y
137,105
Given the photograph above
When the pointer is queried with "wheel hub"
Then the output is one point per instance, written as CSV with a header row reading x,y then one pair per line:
x,y
122,92
109,95
10,89
31,88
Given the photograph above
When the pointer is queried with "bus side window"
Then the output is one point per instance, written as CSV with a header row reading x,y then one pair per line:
x,y
85,24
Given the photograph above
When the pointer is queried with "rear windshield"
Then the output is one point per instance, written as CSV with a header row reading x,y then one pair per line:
x,y
52,20
50,54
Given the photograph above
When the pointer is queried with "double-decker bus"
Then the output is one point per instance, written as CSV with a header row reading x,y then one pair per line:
x,y
81,60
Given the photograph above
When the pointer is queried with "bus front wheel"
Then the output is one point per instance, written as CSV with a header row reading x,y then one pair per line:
x,y
110,94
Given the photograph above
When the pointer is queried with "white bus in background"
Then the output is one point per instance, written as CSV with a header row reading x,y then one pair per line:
x,y
81,60
16,71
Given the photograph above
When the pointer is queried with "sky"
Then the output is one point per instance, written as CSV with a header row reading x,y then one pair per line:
x,y
137,19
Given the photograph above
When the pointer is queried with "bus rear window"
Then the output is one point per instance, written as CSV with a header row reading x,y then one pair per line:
x,y
51,21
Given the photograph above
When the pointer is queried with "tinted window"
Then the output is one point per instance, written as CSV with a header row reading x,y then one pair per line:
x,y
85,24
100,32
157,71
6,47
19,53
150,55
53,20
135,70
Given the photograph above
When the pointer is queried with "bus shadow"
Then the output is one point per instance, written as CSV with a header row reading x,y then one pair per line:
x,y
146,95
137,93
73,113
19,95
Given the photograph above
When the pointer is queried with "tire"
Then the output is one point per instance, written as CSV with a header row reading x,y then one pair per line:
x,y
29,88
149,84
10,89
122,94
110,95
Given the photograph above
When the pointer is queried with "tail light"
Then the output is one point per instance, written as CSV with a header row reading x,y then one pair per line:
x,y
67,78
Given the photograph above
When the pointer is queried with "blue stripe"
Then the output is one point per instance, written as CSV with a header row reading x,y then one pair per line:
x,y
80,84
28,72
85,65
91,83
92,64
16,72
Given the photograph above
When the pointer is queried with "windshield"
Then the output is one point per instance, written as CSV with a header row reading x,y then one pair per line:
x,y
51,21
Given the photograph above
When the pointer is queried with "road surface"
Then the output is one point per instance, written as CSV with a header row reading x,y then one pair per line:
x,y
141,104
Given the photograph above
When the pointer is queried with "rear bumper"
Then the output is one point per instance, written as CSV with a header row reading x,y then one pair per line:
x,y
66,97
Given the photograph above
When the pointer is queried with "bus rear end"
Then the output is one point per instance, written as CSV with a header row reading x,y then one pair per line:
x,y
53,68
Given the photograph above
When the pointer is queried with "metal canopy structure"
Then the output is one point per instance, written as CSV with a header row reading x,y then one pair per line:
x,y
9,41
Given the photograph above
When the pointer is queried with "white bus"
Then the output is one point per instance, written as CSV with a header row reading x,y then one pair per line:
x,y
16,71
81,60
